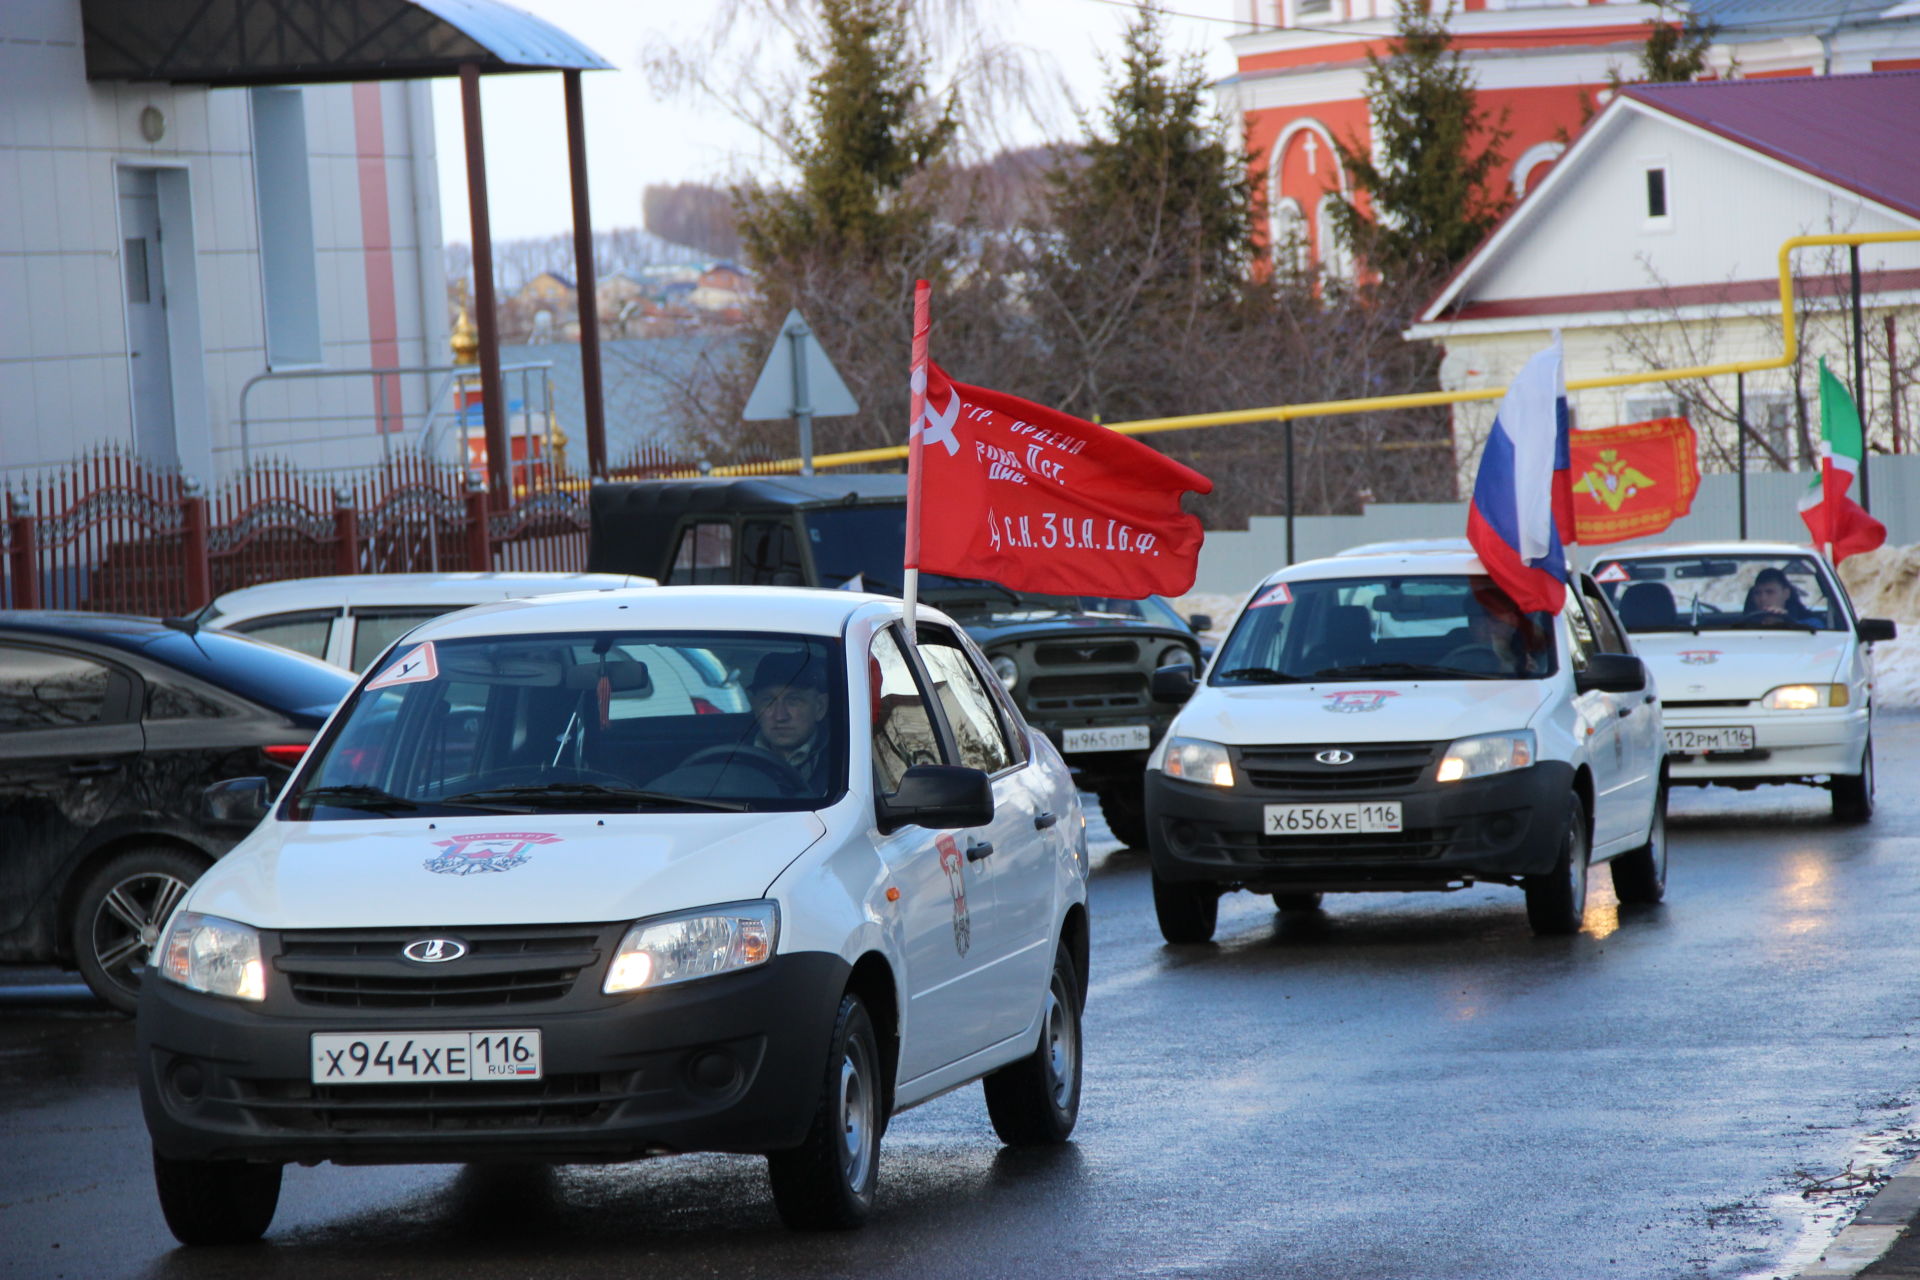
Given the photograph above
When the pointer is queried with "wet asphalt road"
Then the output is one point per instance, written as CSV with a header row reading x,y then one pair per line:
x,y
1399,1087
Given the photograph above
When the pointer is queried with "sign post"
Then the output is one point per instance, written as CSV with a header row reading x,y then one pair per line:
x,y
799,382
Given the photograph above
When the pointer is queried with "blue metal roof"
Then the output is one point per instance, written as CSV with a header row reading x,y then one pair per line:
x,y
260,42
1762,19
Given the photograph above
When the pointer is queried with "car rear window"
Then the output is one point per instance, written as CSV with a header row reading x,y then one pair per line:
x,y
259,672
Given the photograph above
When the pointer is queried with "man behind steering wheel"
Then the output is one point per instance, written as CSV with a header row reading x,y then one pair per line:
x,y
788,694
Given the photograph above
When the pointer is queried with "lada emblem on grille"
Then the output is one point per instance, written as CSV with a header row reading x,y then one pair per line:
x,y
434,950
1335,756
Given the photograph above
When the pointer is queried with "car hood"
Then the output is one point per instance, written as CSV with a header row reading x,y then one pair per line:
x,y
990,629
498,869
1371,711
1719,666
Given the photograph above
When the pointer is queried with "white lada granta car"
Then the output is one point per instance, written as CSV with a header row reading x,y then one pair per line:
x,y
1392,721
1763,665
514,907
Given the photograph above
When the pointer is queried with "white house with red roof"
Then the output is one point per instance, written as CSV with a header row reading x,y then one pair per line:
x,y
1655,243
1301,72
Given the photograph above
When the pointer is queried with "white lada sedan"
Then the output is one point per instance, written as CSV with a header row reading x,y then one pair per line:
x,y
515,907
1762,663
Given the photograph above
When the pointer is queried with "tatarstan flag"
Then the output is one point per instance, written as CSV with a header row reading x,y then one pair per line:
x,y
1839,525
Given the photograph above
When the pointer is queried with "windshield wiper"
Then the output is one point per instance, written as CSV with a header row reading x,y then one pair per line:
x,y
1408,669
1259,675
592,793
355,796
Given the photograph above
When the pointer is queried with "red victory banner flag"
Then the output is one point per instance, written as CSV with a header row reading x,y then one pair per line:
x,y
1036,500
1632,480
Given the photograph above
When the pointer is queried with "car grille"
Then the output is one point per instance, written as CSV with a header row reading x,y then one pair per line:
x,y
1112,691
560,1101
1375,767
364,968
1415,844
1115,652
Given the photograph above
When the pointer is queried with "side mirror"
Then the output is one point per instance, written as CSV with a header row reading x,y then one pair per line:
x,y
1874,630
236,802
1200,621
938,795
1173,684
1611,673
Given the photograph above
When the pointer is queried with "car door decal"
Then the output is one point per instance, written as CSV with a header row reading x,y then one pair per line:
x,y
955,865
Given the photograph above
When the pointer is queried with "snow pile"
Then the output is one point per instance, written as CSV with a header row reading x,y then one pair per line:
x,y
1886,584
1883,584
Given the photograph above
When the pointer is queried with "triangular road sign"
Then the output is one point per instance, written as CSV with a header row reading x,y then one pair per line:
x,y
810,387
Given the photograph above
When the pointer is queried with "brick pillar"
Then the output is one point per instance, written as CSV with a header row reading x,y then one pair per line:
x,y
193,524
479,548
26,579
346,533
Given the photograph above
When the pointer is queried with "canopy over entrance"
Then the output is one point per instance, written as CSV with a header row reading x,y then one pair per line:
x,y
262,42
238,43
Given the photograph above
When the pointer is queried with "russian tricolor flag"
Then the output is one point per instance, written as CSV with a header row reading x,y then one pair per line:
x,y
1523,494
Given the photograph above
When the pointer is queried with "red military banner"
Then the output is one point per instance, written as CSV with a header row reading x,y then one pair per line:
x,y
1632,480
1036,500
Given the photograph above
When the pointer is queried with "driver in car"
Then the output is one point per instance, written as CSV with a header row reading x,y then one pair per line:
x,y
789,699
1773,594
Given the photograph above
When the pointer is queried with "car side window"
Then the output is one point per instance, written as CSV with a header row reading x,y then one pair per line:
x,y
303,632
705,554
175,700
903,733
44,690
1584,646
375,629
770,554
1605,631
971,712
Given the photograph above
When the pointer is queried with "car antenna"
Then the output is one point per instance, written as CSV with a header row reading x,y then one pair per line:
x,y
1696,612
189,624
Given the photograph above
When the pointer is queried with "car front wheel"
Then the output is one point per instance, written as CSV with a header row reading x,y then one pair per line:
x,y
1124,806
118,916
1036,1101
1188,910
1557,901
827,1182
216,1201
1853,792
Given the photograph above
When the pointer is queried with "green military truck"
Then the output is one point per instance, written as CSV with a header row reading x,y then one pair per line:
x,y
1080,667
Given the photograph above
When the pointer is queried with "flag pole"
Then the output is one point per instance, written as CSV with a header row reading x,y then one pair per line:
x,y
910,577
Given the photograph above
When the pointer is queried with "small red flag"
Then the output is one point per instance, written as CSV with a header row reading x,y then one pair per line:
x,y
1036,500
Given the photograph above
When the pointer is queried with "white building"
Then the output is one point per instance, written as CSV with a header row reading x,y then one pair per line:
x,y
1656,241
193,195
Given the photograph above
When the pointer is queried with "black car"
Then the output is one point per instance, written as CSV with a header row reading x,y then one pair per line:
x,y
1079,667
110,728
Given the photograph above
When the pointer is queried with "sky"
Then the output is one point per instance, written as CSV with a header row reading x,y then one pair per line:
x,y
636,139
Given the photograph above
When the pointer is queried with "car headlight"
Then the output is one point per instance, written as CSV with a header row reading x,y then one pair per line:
x,y
1007,669
700,944
1805,697
206,953
1486,754
1173,656
1198,761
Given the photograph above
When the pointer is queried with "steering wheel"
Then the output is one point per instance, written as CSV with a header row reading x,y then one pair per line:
x,y
541,776
784,775
1478,658
1768,618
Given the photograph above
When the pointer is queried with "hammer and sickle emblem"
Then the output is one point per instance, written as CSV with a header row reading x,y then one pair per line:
x,y
937,426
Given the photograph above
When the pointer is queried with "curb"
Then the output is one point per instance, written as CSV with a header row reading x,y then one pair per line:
x,y
1880,1222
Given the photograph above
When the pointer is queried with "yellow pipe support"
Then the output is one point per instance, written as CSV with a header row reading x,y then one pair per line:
x,y
1373,404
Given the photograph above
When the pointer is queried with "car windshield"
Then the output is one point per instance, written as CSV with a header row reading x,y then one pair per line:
x,y
605,722
1387,628
1720,593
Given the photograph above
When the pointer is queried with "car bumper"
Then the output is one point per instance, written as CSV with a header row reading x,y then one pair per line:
x,y
1788,746
1496,828
733,1063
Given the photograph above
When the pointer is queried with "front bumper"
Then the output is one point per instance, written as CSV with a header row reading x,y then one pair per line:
x,y
1497,828
1788,746
732,1063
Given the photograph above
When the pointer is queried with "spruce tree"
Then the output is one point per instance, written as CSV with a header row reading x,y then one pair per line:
x,y
1431,177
